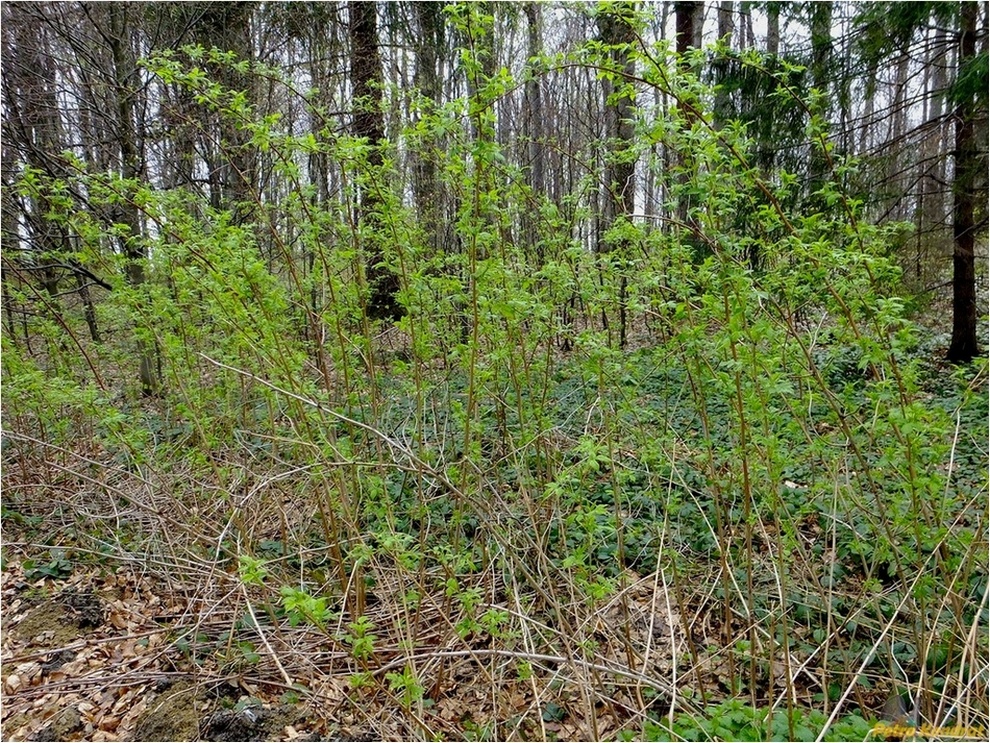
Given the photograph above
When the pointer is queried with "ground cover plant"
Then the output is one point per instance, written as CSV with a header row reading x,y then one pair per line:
x,y
707,479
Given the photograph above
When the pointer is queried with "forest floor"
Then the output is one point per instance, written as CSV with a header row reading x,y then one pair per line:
x,y
89,656
101,645
94,654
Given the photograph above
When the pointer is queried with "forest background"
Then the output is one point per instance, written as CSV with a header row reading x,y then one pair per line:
x,y
494,370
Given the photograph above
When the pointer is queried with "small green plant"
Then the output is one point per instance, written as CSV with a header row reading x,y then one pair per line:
x,y
407,686
493,620
360,680
469,599
733,720
553,712
12,516
252,570
477,731
300,607
58,567
360,638
249,652
290,697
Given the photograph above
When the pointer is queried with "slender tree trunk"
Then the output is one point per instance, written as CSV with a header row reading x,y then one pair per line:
x,y
821,56
481,41
821,44
687,20
618,200
773,28
240,161
895,180
725,22
866,128
369,123
964,347
936,206
923,168
619,127
533,125
427,189
125,73
34,124
10,241
89,309
747,39
722,63
688,23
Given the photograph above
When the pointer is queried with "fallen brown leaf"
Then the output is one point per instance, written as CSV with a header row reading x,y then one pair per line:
x,y
12,683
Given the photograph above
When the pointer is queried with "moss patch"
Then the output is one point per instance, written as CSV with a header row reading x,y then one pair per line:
x,y
61,619
66,726
172,716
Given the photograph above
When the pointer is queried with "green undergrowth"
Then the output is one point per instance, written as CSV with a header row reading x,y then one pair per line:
x,y
734,721
771,452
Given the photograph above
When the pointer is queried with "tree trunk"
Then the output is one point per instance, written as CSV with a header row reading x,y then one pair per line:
x,y
773,28
427,189
896,188
721,65
228,27
367,80
821,44
938,144
125,73
618,200
747,39
89,309
33,123
10,241
619,128
726,24
688,24
687,20
821,55
533,124
964,347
